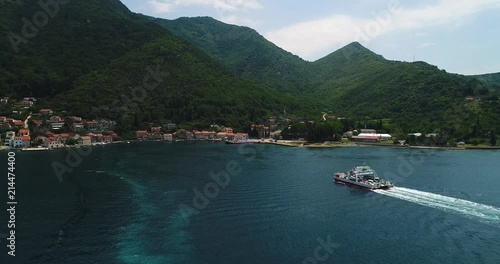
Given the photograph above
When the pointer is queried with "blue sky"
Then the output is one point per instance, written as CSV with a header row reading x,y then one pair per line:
x,y
460,36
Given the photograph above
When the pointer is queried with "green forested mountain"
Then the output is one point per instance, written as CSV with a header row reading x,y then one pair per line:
x,y
356,82
98,55
93,54
490,78
245,51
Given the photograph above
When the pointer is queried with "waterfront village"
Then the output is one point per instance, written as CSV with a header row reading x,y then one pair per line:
x,y
42,129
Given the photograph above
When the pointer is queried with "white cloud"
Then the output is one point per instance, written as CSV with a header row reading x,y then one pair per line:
x,y
167,6
239,20
312,39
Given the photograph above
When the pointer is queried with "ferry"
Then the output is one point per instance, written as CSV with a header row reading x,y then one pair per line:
x,y
362,177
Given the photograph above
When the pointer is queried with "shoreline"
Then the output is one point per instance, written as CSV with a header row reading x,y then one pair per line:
x,y
284,143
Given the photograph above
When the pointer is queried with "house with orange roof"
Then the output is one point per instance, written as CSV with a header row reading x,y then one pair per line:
x,y
18,123
20,142
113,134
142,134
46,111
52,143
64,137
228,130
56,122
241,137
85,140
24,132
75,119
91,125
107,139
99,137
168,137
41,138
26,141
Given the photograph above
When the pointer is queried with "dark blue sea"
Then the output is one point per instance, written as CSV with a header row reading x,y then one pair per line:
x,y
214,203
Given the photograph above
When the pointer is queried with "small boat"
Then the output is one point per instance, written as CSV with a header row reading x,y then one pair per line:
x,y
362,177
238,142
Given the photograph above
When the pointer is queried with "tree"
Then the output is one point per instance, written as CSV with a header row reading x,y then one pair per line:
x,y
493,138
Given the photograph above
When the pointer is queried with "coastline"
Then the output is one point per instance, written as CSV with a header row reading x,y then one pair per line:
x,y
284,143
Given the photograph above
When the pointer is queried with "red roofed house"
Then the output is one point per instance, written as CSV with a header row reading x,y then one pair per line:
x,y
91,125
85,140
20,142
108,139
100,137
168,137
64,137
113,135
142,134
241,137
46,111
41,138
228,130
18,123
24,132
52,143
26,141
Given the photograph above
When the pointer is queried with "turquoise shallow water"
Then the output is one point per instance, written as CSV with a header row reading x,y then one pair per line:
x,y
279,205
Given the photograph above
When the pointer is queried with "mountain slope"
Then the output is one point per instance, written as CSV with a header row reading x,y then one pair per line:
x,y
243,50
95,53
491,79
354,81
82,36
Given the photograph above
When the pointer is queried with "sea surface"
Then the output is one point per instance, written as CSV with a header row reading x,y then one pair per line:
x,y
207,202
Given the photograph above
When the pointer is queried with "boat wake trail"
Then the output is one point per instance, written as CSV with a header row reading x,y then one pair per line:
x,y
468,208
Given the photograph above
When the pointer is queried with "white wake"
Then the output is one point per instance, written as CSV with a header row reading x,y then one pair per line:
x,y
486,212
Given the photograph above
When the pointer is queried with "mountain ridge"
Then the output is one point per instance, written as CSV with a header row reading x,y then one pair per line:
x,y
94,53
354,81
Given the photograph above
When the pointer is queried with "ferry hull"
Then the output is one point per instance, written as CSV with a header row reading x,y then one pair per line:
x,y
360,185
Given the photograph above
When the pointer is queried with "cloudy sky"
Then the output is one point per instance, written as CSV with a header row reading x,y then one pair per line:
x,y
461,36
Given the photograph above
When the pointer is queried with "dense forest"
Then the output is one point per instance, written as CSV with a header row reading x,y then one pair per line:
x,y
97,59
92,55
356,83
